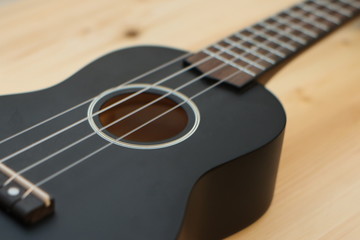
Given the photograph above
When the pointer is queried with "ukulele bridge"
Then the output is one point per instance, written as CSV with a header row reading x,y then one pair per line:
x,y
22,199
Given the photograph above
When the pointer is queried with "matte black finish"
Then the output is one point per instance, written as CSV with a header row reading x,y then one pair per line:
x,y
213,184
31,210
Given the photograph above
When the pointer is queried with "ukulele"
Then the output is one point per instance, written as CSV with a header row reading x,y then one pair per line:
x,y
157,143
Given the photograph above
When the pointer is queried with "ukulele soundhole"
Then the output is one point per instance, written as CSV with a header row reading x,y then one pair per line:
x,y
142,116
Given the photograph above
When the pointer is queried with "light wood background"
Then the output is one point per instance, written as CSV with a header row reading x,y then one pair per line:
x,y
317,197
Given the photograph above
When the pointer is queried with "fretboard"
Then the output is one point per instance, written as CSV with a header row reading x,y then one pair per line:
x,y
248,54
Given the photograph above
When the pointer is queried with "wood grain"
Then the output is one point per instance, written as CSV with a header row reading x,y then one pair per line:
x,y
318,190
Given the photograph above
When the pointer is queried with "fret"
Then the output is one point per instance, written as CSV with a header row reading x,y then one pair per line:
x,y
348,7
280,32
283,32
228,62
259,44
315,18
239,56
317,12
303,18
249,45
305,31
272,39
295,32
248,50
251,38
351,3
279,35
333,7
333,12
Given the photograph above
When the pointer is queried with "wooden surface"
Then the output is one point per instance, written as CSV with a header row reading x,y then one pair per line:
x,y
317,197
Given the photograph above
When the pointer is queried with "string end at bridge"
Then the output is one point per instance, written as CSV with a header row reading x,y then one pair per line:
x,y
22,199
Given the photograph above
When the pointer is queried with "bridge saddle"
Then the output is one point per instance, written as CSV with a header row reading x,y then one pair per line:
x,y
22,199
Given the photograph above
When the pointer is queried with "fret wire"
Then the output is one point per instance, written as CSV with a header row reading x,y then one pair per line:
x,y
317,12
224,60
274,51
271,50
303,18
280,33
331,6
284,33
297,27
273,39
248,50
352,3
242,58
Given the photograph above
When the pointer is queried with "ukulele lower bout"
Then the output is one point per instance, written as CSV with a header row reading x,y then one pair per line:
x,y
212,184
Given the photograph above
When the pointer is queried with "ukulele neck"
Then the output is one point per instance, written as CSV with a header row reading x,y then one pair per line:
x,y
253,52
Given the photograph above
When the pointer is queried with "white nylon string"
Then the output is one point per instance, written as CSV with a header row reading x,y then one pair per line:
x,y
112,123
47,179
63,170
125,135
89,100
10,156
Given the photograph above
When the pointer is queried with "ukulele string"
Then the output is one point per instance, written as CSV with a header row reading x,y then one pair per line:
x,y
63,170
90,99
112,123
118,120
14,154
47,158
10,156
182,57
40,141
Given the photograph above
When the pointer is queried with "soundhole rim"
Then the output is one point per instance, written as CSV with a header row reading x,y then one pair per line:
x,y
190,108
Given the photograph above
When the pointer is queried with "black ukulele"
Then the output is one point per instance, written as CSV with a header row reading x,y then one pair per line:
x,y
152,143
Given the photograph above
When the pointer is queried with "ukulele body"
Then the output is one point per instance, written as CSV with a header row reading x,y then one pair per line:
x,y
209,186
